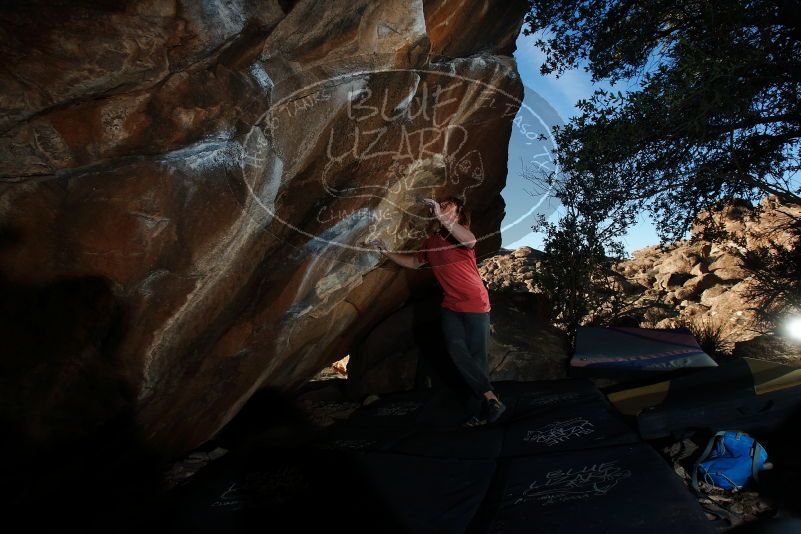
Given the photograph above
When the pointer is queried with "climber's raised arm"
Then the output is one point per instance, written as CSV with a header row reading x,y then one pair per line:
x,y
446,213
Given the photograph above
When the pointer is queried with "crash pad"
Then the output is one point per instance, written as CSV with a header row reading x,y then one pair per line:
x,y
531,398
561,451
575,426
427,495
744,393
392,410
637,349
621,489
289,490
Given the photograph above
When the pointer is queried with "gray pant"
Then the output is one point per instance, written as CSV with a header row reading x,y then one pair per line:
x,y
467,338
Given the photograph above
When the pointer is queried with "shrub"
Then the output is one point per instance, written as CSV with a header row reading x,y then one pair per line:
x,y
709,334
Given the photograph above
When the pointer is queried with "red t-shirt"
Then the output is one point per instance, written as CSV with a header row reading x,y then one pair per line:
x,y
455,268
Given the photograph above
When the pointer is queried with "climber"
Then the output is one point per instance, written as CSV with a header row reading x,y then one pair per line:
x,y
449,250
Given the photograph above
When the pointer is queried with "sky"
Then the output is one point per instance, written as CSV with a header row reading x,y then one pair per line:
x,y
548,100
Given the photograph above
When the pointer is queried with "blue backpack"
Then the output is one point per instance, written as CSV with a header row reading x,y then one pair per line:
x,y
730,460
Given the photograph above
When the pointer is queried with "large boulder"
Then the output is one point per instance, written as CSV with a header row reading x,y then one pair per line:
x,y
510,270
703,282
407,350
396,352
728,267
671,279
700,283
676,261
200,176
524,345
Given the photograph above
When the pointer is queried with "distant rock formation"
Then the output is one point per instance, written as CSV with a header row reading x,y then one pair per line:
x,y
687,282
511,270
702,283
178,192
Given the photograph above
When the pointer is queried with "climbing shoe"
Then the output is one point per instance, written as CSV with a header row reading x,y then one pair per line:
x,y
474,422
494,410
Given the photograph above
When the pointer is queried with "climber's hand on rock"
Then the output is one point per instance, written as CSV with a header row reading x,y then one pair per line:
x,y
434,205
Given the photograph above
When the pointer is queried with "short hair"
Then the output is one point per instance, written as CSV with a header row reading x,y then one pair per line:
x,y
464,213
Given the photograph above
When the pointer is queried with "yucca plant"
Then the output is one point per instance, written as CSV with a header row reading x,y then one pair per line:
x,y
709,335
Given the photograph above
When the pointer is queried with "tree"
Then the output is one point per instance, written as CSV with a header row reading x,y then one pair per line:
x,y
775,268
716,114
575,272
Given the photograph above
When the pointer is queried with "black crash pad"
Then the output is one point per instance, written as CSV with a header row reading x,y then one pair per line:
x,y
521,398
403,426
428,495
582,425
294,491
392,410
301,490
744,394
621,489
405,464
483,442
347,437
531,398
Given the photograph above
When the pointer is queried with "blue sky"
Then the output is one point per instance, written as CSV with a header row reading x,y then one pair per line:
x,y
559,95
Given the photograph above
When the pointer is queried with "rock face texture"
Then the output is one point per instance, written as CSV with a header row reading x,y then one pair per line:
x,y
524,346
511,270
703,283
184,188
407,350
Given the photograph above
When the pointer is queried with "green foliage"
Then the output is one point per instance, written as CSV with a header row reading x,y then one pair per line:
x,y
575,272
713,112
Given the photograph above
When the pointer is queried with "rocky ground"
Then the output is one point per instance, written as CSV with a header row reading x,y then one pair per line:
x,y
736,507
703,283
